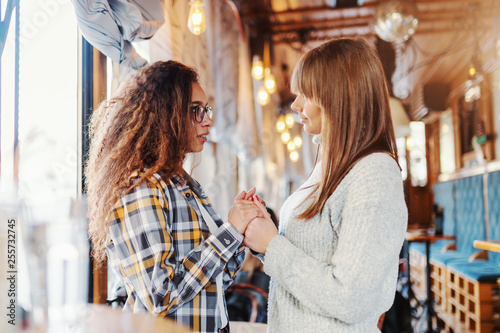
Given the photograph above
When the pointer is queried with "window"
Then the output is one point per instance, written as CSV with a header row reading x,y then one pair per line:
x,y
48,100
416,147
47,149
446,143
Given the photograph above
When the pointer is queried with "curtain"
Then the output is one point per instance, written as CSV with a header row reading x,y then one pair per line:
x,y
111,26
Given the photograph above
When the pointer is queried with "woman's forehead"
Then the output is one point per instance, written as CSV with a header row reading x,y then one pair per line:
x,y
198,95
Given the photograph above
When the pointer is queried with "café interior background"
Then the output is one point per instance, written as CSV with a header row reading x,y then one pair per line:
x,y
452,51
429,63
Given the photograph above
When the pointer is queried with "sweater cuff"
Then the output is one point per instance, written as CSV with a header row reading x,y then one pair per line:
x,y
226,241
273,258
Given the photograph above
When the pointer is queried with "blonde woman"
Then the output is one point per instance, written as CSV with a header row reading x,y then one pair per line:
x,y
334,262
176,256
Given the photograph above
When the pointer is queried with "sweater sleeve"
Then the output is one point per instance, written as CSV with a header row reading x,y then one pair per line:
x,y
372,224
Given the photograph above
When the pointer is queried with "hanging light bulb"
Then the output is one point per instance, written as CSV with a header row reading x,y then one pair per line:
x,y
269,81
291,146
196,19
280,124
410,143
472,71
257,68
298,141
294,156
263,96
289,120
285,137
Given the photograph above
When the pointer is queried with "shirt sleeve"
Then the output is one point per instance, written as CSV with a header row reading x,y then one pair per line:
x,y
143,242
233,266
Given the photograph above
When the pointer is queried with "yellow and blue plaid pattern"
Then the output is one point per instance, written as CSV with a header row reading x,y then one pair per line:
x,y
162,248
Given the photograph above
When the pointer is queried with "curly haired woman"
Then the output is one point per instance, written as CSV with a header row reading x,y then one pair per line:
x,y
153,221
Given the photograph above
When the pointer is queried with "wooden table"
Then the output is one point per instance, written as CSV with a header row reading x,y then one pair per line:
x,y
428,238
104,319
489,245
424,237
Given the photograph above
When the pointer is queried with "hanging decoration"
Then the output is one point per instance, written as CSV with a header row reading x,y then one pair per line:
x,y
472,85
284,124
396,20
261,70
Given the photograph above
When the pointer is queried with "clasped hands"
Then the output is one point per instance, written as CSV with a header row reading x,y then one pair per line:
x,y
250,217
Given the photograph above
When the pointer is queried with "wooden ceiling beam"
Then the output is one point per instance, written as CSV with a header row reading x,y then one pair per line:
x,y
319,24
328,33
446,20
305,11
427,27
301,11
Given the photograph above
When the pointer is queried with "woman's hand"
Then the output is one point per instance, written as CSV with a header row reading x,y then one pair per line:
x,y
260,231
243,211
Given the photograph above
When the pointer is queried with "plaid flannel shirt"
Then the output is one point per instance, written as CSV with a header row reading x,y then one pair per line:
x,y
163,250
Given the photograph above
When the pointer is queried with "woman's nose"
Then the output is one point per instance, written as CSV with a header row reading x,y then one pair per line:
x,y
296,105
207,121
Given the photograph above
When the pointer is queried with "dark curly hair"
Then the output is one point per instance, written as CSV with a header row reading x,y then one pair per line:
x,y
143,130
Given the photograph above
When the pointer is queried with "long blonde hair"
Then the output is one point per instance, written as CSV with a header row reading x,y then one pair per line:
x,y
345,78
146,128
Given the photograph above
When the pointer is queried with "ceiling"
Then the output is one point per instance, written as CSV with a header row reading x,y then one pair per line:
x,y
450,34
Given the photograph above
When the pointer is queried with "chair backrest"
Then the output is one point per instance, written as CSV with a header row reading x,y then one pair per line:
x,y
494,212
463,204
470,213
246,302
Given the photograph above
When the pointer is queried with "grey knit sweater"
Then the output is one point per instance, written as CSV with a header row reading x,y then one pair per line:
x,y
337,271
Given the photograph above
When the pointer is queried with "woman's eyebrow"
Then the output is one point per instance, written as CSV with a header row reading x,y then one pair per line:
x,y
197,102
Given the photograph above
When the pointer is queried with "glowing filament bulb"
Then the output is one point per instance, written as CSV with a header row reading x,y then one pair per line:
x,y
280,125
263,96
285,137
410,143
196,21
257,68
269,81
298,141
289,120
294,156
472,70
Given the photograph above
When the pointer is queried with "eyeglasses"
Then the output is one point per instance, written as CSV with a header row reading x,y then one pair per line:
x,y
200,111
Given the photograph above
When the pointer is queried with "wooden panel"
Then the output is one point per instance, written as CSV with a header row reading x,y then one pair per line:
x,y
100,273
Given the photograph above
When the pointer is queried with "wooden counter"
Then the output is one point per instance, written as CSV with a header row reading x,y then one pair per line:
x,y
489,245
